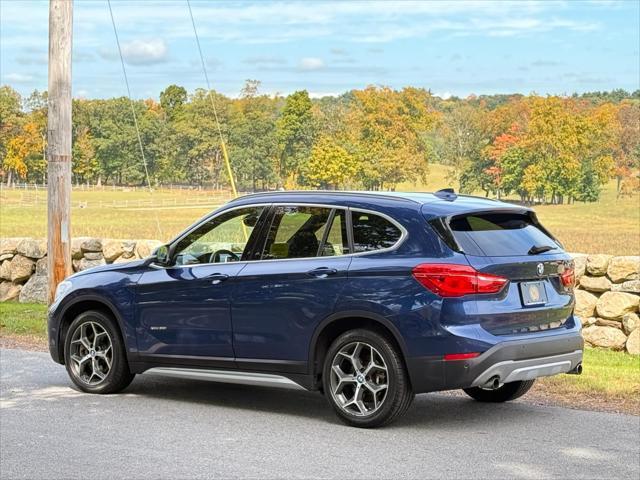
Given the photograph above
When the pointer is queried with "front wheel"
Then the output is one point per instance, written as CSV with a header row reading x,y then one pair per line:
x,y
365,380
95,354
504,393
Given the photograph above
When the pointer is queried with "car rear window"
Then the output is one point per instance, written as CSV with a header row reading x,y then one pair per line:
x,y
499,234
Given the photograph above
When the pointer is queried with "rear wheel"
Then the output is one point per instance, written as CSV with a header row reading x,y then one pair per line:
x,y
95,354
504,393
364,379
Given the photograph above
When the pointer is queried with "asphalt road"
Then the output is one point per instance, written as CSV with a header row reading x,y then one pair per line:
x,y
168,428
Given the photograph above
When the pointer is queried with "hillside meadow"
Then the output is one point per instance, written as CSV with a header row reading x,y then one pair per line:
x,y
608,226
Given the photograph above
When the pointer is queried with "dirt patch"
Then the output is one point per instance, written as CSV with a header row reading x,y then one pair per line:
x,y
544,394
31,343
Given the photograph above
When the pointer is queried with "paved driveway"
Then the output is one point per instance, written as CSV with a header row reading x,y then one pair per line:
x,y
168,428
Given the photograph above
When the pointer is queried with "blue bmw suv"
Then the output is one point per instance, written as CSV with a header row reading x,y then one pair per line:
x,y
366,297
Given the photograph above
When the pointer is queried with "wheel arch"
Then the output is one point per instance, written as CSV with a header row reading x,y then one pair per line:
x,y
336,324
82,304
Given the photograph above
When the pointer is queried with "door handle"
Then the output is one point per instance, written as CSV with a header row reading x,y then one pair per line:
x,y
217,278
322,272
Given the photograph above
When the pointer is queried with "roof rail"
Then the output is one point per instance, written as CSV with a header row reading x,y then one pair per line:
x,y
326,192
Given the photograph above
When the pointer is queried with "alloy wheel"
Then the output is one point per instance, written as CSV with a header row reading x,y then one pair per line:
x,y
359,379
91,352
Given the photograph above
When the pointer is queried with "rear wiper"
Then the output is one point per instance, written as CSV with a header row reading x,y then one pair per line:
x,y
535,250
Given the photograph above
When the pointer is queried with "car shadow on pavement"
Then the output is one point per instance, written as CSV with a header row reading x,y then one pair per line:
x,y
428,410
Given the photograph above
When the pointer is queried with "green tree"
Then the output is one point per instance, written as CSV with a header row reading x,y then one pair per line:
x,y
252,139
85,165
295,132
330,166
172,99
462,136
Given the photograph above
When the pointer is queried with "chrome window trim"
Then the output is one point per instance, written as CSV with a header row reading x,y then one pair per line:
x,y
403,233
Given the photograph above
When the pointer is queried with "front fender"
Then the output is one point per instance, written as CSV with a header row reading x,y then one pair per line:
x,y
95,291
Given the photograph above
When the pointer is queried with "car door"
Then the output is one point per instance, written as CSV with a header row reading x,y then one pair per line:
x,y
277,302
184,309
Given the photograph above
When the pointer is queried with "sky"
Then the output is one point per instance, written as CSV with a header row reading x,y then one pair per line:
x,y
452,48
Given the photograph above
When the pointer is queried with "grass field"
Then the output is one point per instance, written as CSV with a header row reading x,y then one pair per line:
x,y
608,226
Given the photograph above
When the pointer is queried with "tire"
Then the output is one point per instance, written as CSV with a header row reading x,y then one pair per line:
x,y
505,393
387,368
92,366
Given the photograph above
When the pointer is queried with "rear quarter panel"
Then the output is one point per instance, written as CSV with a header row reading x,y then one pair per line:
x,y
382,283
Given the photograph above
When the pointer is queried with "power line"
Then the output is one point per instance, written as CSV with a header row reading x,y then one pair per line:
x,y
133,110
131,104
213,105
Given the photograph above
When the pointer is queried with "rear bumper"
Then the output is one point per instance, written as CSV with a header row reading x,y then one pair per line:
x,y
510,360
516,370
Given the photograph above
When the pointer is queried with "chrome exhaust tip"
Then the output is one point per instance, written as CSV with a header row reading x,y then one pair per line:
x,y
493,383
577,370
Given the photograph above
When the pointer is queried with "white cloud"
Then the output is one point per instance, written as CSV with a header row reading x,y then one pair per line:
x,y
313,94
145,52
443,95
17,78
32,59
264,60
282,21
311,63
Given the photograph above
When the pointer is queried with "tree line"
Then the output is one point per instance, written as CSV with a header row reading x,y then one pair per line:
x,y
538,148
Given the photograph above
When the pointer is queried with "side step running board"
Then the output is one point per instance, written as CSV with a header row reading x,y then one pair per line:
x,y
227,376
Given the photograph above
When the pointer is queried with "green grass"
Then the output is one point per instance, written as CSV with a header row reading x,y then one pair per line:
x,y
608,226
605,373
23,319
109,214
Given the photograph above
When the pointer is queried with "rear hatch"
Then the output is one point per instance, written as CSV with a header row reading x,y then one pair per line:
x,y
511,243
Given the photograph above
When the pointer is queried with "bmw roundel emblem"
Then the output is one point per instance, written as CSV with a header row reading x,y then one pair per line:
x,y
540,269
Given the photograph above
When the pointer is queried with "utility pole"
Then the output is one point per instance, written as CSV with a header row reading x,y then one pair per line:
x,y
59,143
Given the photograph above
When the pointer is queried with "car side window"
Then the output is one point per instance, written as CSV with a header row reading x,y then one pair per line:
x,y
295,232
372,232
337,240
220,240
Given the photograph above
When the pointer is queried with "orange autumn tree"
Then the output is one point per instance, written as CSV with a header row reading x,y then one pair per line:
x,y
497,153
25,152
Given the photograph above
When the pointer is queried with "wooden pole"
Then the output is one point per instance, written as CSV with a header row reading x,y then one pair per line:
x,y
59,143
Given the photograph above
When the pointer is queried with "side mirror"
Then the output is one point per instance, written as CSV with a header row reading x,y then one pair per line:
x,y
162,255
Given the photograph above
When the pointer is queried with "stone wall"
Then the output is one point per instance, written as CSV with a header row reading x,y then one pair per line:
x,y
607,287
607,298
23,262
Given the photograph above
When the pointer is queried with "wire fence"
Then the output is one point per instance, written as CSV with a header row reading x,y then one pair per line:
x,y
167,196
118,188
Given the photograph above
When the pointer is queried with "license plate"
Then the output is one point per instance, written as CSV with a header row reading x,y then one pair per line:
x,y
533,293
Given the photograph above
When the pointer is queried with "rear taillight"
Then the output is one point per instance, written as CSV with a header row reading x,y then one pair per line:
x,y
568,277
450,280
